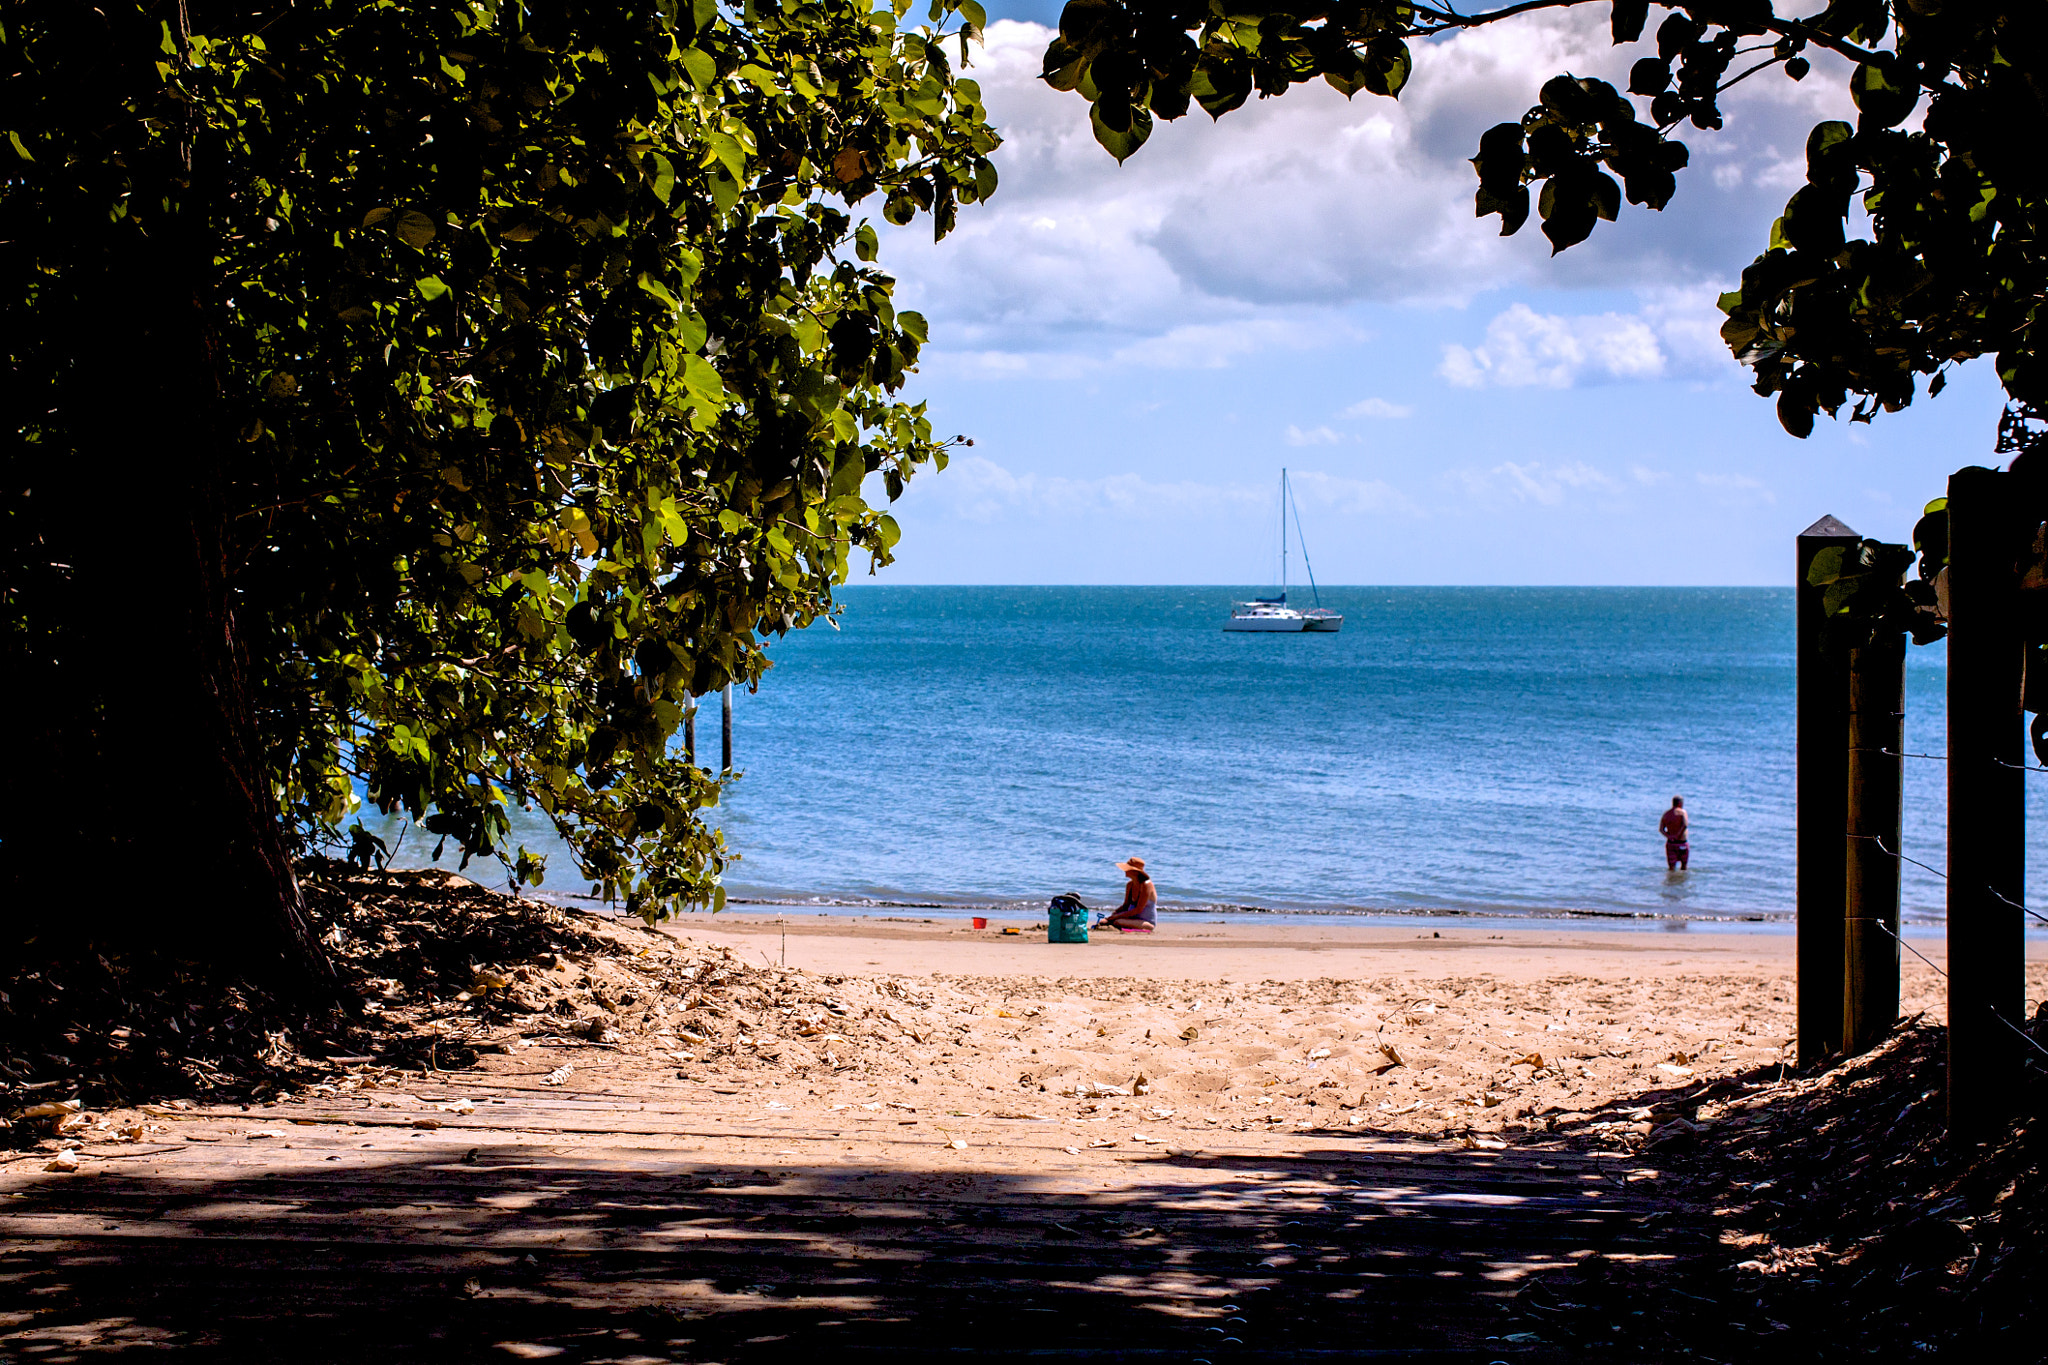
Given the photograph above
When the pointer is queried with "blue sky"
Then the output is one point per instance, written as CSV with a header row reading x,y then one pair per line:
x,y
1138,350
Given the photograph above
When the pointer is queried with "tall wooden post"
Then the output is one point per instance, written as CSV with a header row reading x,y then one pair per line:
x,y
1877,732
725,712
1986,810
1820,804
690,732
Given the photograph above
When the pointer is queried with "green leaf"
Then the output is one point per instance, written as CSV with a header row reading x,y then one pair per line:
x,y
664,176
1121,144
1827,565
414,228
431,287
887,530
700,67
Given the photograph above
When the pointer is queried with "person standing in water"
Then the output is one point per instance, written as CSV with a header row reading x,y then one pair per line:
x,y
1674,827
1140,910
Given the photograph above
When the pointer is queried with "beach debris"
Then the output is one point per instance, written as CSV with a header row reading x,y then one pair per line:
x,y
1319,1054
559,1074
256,1133
63,1162
1071,1151
1103,1142
425,1123
1140,1085
1190,1033
51,1109
1679,1132
957,1145
1087,1090
1532,1060
1140,1137
1393,1057
457,1107
777,1104
1670,1070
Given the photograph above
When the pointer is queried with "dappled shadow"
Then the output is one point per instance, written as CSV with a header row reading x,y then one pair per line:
x,y
1346,1247
1838,1221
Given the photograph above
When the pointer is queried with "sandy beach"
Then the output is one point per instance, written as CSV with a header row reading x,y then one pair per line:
x,y
915,1122
1234,1028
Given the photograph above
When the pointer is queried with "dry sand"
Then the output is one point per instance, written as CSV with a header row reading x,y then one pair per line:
x,y
914,1119
1235,1028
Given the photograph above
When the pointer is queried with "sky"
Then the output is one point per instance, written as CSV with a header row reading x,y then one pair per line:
x,y
1138,351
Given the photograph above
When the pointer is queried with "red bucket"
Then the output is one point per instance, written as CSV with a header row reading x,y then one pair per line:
x,y
980,923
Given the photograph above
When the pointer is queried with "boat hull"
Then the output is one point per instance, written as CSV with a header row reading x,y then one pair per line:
x,y
1266,625
1327,624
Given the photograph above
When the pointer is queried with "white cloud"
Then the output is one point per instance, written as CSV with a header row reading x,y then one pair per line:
x,y
1313,201
1211,346
977,489
1524,348
1315,436
1649,478
1547,485
1379,407
1738,490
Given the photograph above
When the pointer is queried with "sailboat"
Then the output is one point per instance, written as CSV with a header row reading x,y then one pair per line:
x,y
1269,614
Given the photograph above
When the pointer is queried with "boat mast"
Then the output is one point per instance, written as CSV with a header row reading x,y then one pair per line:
x,y
1302,536
1283,533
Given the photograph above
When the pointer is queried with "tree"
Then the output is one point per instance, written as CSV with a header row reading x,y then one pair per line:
x,y
1955,265
433,399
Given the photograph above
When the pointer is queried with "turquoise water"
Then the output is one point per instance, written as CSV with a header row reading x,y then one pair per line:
x,y
1479,750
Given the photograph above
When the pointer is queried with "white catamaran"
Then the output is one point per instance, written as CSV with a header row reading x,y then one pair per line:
x,y
1273,613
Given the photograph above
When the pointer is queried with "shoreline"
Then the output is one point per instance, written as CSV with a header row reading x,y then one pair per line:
x,y
1774,924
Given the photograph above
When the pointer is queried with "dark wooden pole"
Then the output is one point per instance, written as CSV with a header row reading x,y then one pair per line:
x,y
1877,732
1820,803
690,732
1986,810
725,710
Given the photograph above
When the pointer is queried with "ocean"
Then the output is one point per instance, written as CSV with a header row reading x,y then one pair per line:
x,y
1480,752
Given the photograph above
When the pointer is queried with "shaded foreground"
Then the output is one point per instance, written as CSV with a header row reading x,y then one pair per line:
x,y
540,1135
466,1243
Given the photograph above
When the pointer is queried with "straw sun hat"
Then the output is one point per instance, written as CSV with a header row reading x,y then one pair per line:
x,y
1131,865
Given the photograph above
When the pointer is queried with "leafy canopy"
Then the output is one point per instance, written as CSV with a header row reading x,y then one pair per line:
x,y
1954,268
552,365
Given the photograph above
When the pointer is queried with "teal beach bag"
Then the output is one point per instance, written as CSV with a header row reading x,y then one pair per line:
x,y
1066,920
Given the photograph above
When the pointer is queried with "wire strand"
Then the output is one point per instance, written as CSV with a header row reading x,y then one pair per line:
x,y
1894,753
2023,1035
1878,839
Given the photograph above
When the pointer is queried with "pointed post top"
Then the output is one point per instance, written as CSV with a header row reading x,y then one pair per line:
x,y
1828,527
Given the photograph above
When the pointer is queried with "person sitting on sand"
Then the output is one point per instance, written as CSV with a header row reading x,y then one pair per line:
x,y
1140,911
1677,851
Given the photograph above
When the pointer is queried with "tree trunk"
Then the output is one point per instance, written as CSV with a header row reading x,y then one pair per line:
x,y
154,816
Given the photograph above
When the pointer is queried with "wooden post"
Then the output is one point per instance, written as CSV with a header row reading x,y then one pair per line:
x,y
725,710
1877,732
690,732
1986,802
1820,803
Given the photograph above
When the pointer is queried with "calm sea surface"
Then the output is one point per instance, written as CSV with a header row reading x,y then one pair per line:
x,y
1502,751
